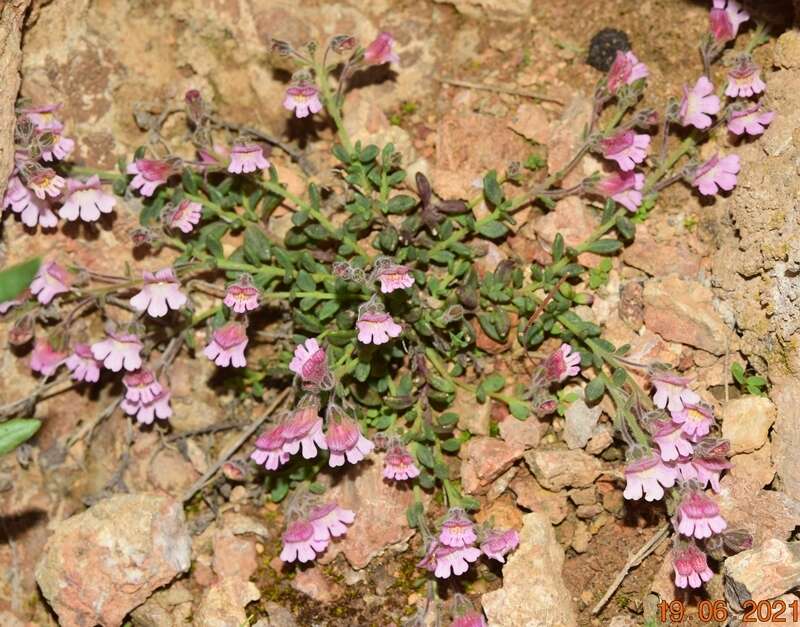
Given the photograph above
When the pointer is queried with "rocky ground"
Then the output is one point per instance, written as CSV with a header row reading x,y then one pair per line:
x,y
704,285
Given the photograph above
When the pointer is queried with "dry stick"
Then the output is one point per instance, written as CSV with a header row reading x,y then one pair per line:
x,y
500,90
197,485
89,427
634,561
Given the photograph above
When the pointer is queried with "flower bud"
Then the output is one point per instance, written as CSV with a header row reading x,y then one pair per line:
x,y
343,43
281,48
545,407
22,332
737,540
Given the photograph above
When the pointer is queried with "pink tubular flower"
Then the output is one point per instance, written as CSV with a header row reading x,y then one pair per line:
x,y
716,174
625,70
698,516
691,567
303,99
242,296
300,544
457,530
57,147
672,391
725,18
699,104
82,364
752,120
381,50
446,560
118,351
45,183
345,441
671,440
269,449
498,543
648,476
470,619
148,175
627,148
310,362
42,117
562,364
160,293
624,188
744,80
707,470
141,386
86,200
376,327
395,278
50,281
32,210
329,520
45,359
185,216
247,158
147,412
304,430
398,465
695,419
227,345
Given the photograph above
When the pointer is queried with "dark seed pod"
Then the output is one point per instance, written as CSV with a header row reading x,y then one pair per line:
x,y
604,46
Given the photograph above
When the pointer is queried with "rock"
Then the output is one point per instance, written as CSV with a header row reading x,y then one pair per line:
x,y
222,605
566,138
584,496
493,9
527,432
316,584
500,485
570,217
557,468
531,122
234,556
12,14
756,467
483,459
587,512
786,435
614,502
580,423
599,442
168,607
581,537
171,473
533,591
787,50
534,497
502,513
473,416
100,564
762,573
683,311
279,616
660,259
746,422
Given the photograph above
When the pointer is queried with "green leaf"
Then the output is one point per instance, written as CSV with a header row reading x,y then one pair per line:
x,y
15,432
15,279
316,488
493,229
256,244
738,372
604,246
305,282
340,153
491,188
451,445
400,204
368,154
447,420
594,390
280,490
519,410
626,228
494,383
558,247
425,456
756,381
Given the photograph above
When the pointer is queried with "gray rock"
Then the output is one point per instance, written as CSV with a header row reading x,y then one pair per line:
x,y
580,424
557,469
762,573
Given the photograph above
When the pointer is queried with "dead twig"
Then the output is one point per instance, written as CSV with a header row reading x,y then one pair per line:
x,y
226,455
633,562
34,397
89,427
500,90
223,426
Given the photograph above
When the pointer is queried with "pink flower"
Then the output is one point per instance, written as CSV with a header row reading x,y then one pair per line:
x,y
624,188
627,148
744,80
42,117
86,200
299,542
45,359
498,543
470,619
310,362
395,278
82,364
304,429
699,104
376,327
698,516
247,158
302,99
445,560
269,449
242,296
625,70
561,364
45,183
329,520
141,386
227,346
346,441
672,391
32,210
751,120
691,567
148,175
671,441
185,216
725,19
716,174
398,464
648,476
57,147
707,470
160,293
381,50
695,419
147,412
457,530
118,351
8,305
50,281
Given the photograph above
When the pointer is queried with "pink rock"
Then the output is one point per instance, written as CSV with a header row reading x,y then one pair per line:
x,y
661,258
313,582
484,459
531,122
532,496
528,432
556,469
234,556
574,220
222,605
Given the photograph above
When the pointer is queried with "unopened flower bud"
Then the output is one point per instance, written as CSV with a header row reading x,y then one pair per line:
x,y
468,297
22,332
281,48
545,407
142,236
453,313
737,540
235,470
645,118
195,105
343,43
